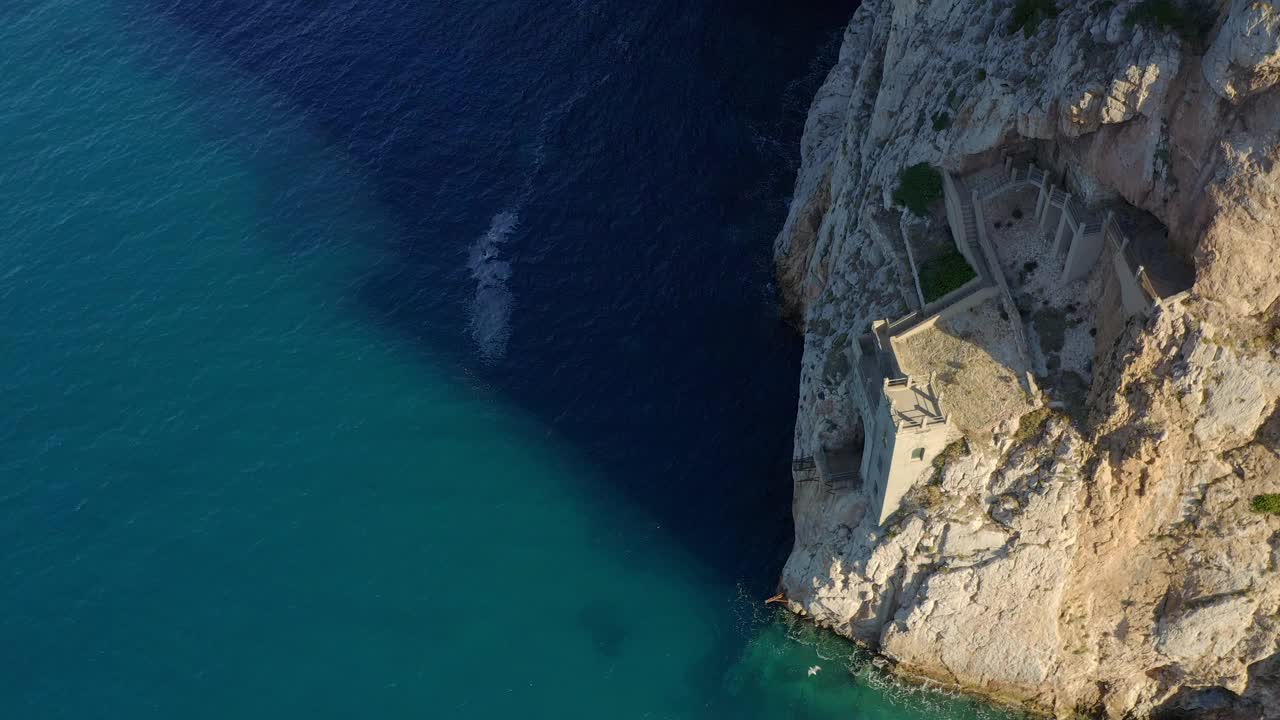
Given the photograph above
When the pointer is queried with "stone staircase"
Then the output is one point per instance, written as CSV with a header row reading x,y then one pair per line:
x,y
970,219
834,471
842,471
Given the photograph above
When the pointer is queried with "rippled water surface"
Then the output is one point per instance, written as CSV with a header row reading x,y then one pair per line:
x,y
391,359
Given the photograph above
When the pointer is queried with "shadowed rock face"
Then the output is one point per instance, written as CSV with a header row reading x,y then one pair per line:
x,y
1109,565
1217,703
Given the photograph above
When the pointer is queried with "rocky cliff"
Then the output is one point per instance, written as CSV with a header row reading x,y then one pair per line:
x,y
1099,563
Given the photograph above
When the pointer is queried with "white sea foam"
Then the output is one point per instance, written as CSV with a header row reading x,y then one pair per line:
x,y
490,323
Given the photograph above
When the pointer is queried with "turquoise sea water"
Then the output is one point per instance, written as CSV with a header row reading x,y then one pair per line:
x,y
227,493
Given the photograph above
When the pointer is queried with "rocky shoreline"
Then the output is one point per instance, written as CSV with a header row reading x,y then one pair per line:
x,y
1094,553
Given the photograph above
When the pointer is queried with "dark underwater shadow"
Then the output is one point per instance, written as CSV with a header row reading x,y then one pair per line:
x,y
644,155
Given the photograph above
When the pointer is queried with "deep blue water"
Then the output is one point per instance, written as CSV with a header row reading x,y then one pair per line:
x,y
626,168
389,359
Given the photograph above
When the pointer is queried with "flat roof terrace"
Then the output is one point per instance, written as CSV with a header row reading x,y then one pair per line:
x,y
974,362
912,403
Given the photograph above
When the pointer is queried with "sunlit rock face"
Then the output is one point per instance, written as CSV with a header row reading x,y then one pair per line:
x,y
1245,56
1106,563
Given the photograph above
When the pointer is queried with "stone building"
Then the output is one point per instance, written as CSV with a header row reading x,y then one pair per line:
x,y
903,435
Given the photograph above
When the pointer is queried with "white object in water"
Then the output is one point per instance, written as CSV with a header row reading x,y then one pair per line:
x,y
815,670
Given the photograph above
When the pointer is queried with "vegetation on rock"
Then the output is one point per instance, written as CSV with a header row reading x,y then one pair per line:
x,y
1028,14
1268,504
1191,22
943,274
919,186
1031,424
952,452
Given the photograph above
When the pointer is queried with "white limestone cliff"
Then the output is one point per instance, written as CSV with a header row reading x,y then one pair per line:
x,y
1109,566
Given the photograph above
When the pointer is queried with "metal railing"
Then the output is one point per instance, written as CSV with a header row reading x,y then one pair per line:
x,y
840,481
990,186
1069,219
1123,246
903,322
1146,285
1111,230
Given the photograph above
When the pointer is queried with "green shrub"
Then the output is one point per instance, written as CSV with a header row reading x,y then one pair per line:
x,y
941,121
981,74
930,497
1028,14
943,274
1268,504
918,187
1031,424
1191,22
952,452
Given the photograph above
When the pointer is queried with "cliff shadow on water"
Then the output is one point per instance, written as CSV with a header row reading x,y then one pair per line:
x,y
585,199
